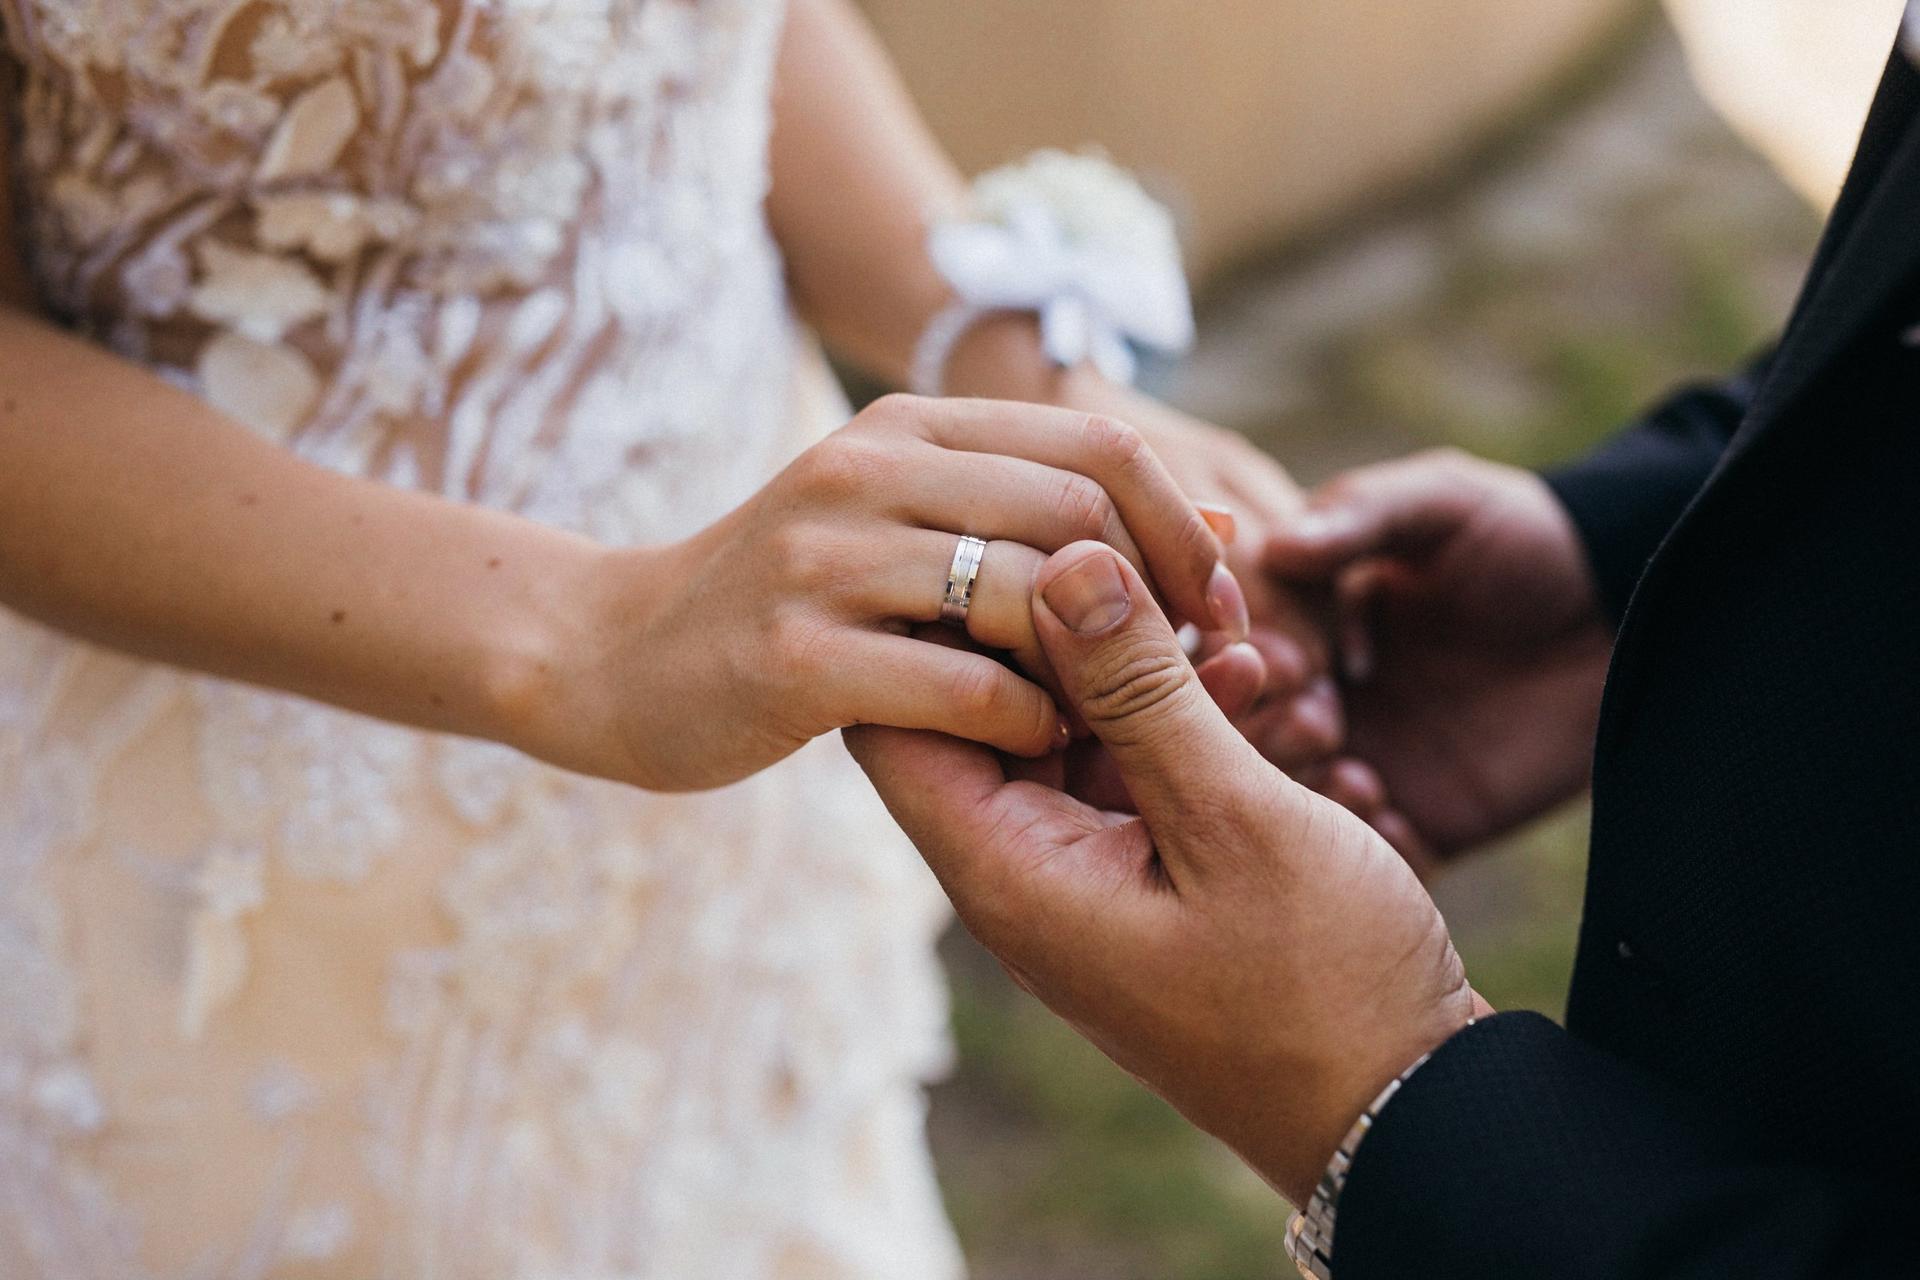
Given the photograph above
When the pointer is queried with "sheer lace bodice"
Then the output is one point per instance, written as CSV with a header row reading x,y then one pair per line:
x,y
294,994
511,250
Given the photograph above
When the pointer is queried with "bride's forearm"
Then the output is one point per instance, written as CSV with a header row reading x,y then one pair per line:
x,y
856,177
135,516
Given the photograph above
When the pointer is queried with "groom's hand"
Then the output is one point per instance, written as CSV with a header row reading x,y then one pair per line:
x,y
1476,644
1250,950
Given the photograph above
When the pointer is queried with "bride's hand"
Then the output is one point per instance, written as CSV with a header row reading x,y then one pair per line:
x,y
789,618
1298,714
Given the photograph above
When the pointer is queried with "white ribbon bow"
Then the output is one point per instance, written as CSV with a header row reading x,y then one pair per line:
x,y
1091,298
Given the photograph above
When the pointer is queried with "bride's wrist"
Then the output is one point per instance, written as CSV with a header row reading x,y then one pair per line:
x,y
555,663
1000,357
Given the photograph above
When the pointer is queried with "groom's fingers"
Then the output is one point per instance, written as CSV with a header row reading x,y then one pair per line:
x,y
1397,508
943,792
1123,669
936,787
1016,857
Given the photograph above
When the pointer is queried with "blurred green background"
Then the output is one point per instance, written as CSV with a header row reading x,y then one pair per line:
x,y
1616,241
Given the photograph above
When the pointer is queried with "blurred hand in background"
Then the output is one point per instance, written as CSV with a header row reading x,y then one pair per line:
x,y
1474,644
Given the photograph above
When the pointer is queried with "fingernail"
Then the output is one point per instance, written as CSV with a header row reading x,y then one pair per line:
x,y
1090,596
1225,525
1228,602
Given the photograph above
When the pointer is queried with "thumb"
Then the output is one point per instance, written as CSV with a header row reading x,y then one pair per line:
x,y
1122,668
1398,508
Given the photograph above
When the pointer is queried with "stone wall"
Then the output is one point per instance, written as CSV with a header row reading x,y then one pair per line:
x,y
1257,118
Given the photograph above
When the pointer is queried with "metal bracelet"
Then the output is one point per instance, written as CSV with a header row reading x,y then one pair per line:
x,y
1310,1234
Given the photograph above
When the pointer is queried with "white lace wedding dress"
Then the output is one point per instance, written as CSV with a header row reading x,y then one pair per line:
x,y
288,993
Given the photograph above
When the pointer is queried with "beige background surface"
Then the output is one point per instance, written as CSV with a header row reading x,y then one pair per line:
x,y
1794,77
1256,118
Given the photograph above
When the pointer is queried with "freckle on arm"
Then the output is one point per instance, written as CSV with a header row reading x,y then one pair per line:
x,y
339,616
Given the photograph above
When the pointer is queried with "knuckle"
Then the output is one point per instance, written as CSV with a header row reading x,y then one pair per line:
x,y
1135,685
1115,443
1084,511
806,558
975,691
818,469
796,641
895,411
847,462
1197,540
892,405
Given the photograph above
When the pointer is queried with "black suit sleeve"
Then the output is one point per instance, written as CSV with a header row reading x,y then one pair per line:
x,y
1626,495
1519,1151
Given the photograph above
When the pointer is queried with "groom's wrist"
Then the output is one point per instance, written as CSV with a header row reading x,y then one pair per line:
x,y
1348,1088
1310,1236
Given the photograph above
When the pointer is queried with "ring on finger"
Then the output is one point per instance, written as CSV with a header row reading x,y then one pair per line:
x,y
961,577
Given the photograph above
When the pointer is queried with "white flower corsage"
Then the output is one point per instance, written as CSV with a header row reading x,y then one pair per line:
x,y
1075,240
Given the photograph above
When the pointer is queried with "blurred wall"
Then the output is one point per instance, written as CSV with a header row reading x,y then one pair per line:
x,y
1257,118
1795,77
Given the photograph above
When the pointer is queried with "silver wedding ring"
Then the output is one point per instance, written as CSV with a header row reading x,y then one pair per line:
x,y
960,579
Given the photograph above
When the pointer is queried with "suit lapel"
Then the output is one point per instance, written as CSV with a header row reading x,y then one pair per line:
x,y
1872,250
1870,246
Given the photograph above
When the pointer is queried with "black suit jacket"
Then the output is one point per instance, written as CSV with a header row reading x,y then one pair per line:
x,y
1737,1092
